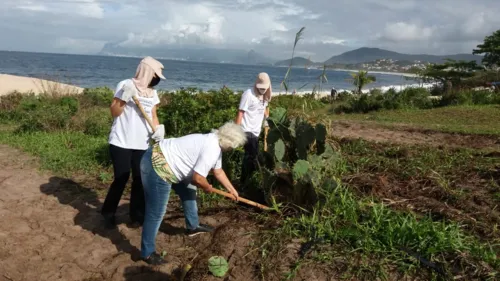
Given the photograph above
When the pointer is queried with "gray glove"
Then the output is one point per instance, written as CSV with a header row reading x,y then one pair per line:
x,y
159,133
129,91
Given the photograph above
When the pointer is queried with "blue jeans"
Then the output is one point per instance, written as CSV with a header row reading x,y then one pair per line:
x,y
156,194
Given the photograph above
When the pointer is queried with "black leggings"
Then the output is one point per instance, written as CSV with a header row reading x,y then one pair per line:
x,y
250,158
124,160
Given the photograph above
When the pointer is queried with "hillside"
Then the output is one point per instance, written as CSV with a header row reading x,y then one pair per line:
x,y
297,61
211,55
362,55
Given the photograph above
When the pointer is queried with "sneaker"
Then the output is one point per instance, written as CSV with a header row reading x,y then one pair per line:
x,y
203,228
109,221
154,259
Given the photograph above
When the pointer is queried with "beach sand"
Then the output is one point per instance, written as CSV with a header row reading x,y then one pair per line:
x,y
11,83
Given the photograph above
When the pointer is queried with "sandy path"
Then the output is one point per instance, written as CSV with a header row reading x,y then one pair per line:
x,y
51,230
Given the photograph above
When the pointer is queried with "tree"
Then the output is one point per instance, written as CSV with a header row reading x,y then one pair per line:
x,y
451,70
491,50
361,79
450,74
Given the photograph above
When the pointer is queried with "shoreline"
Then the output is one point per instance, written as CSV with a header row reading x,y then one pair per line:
x,y
380,72
13,83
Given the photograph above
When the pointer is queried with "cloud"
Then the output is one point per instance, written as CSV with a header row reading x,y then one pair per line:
x,y
402,31
267,26
86,8
83,46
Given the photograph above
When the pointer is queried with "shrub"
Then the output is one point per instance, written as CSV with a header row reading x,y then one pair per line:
x,y
45,118
98,125
102,96
11,101
71,103
187,113
94,121
296,102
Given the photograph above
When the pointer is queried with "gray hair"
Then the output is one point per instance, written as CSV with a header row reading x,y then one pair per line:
x,y
231,136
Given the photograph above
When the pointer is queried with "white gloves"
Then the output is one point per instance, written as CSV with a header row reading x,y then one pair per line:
x,y
159,133
129,91
266,124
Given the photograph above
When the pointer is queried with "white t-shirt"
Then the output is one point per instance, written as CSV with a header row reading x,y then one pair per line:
x,y
130,130
192,153
254,112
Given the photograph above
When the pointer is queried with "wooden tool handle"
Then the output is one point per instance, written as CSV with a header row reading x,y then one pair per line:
x,y
241,199
266,131
139,105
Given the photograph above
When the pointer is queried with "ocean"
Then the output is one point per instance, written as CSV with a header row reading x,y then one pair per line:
x,y
97,71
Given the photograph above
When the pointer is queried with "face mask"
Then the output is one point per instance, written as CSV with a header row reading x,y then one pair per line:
x,y
262,91
154,81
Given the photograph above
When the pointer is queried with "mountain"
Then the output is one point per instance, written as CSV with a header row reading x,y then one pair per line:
x,y
362,55
297,61
190,54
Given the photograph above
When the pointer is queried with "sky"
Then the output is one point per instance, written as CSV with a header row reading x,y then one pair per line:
x,y
266,26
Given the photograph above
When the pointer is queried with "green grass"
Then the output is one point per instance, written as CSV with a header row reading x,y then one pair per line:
x,y
365,237
350,228
456,119
64,153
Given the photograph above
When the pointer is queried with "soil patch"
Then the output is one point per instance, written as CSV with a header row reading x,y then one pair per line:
x,y
407,135
54,231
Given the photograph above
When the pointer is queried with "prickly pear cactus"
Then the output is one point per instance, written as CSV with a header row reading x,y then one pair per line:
x,y
300,170
305,138
320,138
279,150
278,115
273,136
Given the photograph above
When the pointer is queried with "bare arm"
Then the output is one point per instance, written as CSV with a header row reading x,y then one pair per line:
x,y
239,117
201,182
117,107
266,113
220,175
155,117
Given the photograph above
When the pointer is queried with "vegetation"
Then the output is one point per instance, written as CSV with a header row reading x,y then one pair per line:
x,y
311,179
361,79
491,50
450,73
298,36
411,98
467,119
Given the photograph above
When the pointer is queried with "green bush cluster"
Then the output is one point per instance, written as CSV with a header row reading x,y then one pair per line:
x,y
188,111
295,102
87,113
412,98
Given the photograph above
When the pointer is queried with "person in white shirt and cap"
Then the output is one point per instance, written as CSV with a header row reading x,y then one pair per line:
x,y
253,109
130,135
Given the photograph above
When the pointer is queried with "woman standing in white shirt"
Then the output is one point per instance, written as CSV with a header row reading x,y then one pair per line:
x,y
130,135
252,111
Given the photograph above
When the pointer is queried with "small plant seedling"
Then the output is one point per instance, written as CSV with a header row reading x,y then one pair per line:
x,y
218,266
163,254
105,177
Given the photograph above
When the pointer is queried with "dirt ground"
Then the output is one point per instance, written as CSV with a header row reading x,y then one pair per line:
x,y
51,228
407,135
472,201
